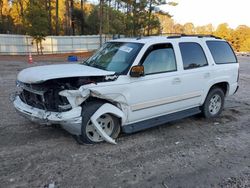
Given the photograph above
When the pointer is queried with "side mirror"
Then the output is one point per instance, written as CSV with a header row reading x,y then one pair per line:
x,y
137,71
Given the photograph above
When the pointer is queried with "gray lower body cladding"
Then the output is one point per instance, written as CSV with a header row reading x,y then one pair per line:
x,y
135,127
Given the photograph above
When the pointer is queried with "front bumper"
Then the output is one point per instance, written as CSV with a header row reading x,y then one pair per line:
x,y
70,120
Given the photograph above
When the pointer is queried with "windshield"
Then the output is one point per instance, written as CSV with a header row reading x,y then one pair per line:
x,y
115,56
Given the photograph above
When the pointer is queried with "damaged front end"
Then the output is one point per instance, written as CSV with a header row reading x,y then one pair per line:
x,y
57,101
46,95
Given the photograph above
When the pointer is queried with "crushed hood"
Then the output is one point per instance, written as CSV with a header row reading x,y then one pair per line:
x,y
47,72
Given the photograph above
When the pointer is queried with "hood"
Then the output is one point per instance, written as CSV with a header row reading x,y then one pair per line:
x,y
48,72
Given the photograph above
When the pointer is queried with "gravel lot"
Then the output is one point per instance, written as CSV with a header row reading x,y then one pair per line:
x,y
193,152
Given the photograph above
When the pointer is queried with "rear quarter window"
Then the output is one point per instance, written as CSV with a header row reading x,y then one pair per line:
x,y
222,52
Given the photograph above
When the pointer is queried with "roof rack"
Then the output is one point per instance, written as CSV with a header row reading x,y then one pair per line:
x,y
157,35
196,35
178,35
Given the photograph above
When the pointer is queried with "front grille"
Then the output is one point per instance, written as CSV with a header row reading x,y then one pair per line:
x,y
33,99
49,100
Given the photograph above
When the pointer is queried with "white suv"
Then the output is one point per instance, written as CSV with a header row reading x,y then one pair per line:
x,y
129,85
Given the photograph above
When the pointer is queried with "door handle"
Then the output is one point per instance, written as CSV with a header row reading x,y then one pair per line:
x,y
176,80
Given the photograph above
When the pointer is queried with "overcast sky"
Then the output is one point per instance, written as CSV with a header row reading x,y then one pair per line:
x,y
202,12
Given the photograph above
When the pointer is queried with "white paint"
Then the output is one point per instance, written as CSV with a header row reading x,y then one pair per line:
x,y
126,49
75,97
48,72
158,102
136,99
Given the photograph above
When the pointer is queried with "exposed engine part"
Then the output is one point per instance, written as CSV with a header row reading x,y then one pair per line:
x,y
46,96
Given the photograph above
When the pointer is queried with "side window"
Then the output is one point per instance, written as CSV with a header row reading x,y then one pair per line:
x,y
193,55
159,58
221,52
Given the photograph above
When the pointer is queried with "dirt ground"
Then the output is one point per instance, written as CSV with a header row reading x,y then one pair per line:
x,y
41,58
192,152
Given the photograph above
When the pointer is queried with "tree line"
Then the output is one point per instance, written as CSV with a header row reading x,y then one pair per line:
x,y
79,17
239,37
40,18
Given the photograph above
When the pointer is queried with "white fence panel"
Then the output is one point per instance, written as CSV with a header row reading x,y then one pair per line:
x,y
23,45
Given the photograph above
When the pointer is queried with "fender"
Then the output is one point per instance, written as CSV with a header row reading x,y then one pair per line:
x,y
211,84
104,109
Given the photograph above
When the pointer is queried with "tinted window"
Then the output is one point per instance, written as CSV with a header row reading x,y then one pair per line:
x,y
159,58
221,52
193,55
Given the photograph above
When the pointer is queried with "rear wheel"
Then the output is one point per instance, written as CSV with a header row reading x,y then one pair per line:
x,y
108,122
214,103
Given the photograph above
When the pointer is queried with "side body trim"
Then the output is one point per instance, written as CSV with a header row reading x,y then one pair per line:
x,y
135,127
163,101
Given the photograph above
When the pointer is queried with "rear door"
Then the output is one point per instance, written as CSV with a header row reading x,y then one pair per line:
x,y
226,67
195,73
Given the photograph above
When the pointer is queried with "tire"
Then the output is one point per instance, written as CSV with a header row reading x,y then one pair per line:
x,y
108,121
214,103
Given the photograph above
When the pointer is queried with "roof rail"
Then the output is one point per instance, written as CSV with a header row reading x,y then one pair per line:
x,y
177,35
194,35
155,35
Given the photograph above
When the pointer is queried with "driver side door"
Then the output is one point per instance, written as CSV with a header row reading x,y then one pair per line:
x,y
156,93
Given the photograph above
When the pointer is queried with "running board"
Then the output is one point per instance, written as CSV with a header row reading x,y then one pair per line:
x,y
135,127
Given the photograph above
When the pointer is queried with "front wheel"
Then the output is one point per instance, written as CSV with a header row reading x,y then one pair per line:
x,y
108,122
214,103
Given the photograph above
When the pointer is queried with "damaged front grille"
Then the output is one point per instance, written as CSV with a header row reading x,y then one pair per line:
x,y
45,98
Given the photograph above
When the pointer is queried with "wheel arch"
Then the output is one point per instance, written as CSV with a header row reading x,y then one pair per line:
x,y
224,85
115,108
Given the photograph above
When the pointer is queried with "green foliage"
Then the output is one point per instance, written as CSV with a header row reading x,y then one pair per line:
x,y
37,24
79,18
116,25
6,23
93,22
66,17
